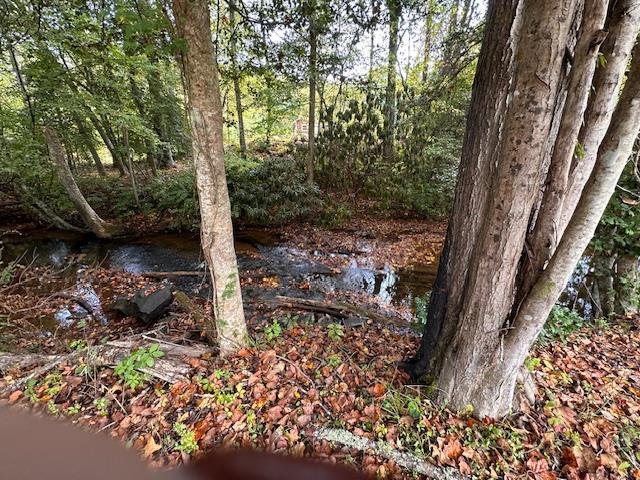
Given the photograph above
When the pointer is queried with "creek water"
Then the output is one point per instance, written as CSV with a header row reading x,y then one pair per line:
x,y
260,256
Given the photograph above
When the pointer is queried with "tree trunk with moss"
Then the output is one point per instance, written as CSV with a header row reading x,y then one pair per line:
x,y
193,25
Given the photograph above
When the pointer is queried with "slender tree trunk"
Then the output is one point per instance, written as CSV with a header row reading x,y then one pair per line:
x,y
372,46
313,73
115,155
613,154
623,26
428,39
395,12
627,285
98,226
236,78
132,175
23,87
88,140
544,238
136,94
193,24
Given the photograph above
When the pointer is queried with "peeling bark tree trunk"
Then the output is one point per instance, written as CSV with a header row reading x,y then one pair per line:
x,y
193,24
98,226
480,325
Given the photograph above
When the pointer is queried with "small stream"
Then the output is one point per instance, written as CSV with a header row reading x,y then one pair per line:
x,y
289,271
261,256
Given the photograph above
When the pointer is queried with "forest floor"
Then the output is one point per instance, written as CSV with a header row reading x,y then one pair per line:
x,y
298,377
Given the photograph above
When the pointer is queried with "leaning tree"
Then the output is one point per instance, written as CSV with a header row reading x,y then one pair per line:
x,y
548,135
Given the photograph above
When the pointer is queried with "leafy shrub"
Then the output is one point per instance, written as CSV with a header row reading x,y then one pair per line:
x,y
175,195
128,368
561,323
273,191
333,216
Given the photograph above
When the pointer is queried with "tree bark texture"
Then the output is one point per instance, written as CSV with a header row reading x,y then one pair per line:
x,y
522,130
200,71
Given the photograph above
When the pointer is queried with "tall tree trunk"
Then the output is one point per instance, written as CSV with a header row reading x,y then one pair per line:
x,y
395,12
479,330
88,140
132,175
236,78
23,87
613,154
545,235
115,155
98,226
313,74
136,94
623,26
428,38
193,24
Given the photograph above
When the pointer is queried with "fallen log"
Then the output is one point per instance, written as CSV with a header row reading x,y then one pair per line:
x,y
171,368
340,310
383,449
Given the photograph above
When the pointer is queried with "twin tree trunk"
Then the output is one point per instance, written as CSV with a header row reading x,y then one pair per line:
x,y
193,25
492,293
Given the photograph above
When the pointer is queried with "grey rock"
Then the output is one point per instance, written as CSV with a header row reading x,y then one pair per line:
x,y
147,308
353,322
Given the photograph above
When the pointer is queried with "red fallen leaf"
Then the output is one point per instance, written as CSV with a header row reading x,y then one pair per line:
x,y
569,457
378,390
303,420
453,449
274,413
464,467
244,353
15,396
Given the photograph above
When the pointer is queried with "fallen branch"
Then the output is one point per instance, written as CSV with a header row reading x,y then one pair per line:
x,y
340,310
170,369
178,273
383,449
